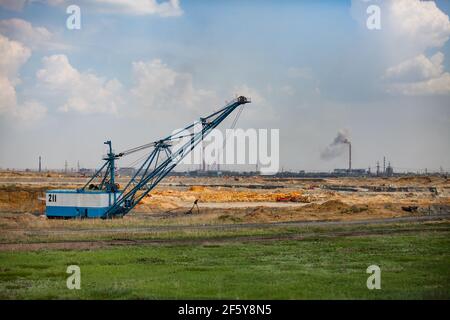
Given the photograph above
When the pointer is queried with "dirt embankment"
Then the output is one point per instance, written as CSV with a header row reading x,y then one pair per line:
x,y
219,194
19,199
328,210
168,199
406,181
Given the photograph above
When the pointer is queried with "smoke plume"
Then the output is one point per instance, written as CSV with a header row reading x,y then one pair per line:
x,y
337,147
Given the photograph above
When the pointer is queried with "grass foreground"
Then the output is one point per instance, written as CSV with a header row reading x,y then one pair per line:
x,y
413,266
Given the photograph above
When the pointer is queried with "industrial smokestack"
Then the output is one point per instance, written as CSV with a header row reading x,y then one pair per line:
x,y
337,148
349,156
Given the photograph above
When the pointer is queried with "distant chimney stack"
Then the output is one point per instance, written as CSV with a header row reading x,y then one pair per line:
x,y
349,157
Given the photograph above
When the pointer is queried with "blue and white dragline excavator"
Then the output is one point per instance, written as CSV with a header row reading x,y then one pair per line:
x,y
106,200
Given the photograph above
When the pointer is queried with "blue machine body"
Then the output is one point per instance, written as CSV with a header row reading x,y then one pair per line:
x,y
79,203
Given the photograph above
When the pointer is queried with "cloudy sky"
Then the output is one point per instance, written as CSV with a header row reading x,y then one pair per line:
x,y
139,68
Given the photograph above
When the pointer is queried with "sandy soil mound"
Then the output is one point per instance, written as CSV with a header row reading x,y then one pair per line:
x,y
219,194
15,199
416,180
328,206
333,205
156,204
260,214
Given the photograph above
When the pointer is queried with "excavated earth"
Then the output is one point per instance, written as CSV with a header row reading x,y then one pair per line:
x,y
238,200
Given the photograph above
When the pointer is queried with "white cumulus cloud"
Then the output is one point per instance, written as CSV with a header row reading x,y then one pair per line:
x,y
419,76
419,22
438,85
417,26
82,92
32,36
14,54
412,24
417,68
140,7
158,87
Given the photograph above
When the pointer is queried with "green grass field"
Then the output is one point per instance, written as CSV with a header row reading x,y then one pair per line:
x,y
413,266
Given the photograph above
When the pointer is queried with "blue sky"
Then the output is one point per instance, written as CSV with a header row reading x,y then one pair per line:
x,y
313,68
